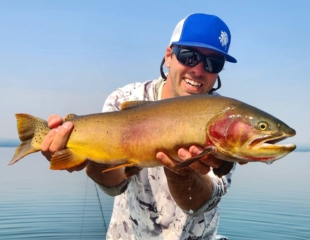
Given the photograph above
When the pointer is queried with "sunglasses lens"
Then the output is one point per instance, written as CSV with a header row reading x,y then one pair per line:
x,y
213,65
188,57
191,58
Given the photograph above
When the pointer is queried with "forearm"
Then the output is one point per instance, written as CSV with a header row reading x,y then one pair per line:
x,y
189,191
108,179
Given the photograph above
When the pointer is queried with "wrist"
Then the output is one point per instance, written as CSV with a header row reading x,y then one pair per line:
x,y
179,177
108,179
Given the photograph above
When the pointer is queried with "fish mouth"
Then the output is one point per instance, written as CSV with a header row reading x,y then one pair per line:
x,y
270,142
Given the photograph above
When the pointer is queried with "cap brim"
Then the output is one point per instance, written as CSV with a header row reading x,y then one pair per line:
x,y
206,46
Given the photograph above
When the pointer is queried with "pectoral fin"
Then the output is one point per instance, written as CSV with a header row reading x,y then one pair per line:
x,y
129,171
113,167
189,161
65,159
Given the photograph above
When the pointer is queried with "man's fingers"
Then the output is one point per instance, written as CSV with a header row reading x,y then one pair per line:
x,y
184,154
54,121
169,164
200,167
195,150
47,141
203,165
56,139
165,160
61,138
211,161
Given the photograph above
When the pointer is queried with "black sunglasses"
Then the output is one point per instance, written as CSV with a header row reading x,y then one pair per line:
x,y
191,58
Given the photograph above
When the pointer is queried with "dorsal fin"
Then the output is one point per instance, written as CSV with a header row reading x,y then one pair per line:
x,y
134,104
70,117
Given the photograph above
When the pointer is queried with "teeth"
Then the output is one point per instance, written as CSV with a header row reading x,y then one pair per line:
x,y
192,83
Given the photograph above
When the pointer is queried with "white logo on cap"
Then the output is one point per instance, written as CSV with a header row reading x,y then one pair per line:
x,y
224,38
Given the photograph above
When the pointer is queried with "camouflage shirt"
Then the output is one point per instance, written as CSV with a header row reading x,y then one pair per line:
x,y
143,206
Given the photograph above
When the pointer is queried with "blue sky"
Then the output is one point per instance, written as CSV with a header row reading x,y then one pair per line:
x,y
66,56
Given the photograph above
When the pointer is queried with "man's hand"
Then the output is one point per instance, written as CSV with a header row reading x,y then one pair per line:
x,y
57,139
202,166
190,181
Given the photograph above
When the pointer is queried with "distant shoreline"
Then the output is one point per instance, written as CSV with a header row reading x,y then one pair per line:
x,y
9,143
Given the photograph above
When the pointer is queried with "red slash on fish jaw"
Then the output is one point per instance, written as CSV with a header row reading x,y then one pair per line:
x,y
232,133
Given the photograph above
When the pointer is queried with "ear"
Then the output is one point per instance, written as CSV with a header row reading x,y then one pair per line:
x,y
168,56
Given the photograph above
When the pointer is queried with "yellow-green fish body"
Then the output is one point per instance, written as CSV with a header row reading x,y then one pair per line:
x,y
233,130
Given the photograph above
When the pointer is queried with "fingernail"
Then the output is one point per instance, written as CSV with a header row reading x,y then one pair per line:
x,y
159,157
182,154
67,125
55,129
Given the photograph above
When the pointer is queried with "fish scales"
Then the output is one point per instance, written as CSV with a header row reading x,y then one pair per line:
x,y
229,129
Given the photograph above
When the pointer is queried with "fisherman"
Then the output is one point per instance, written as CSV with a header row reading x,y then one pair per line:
x,y
158,203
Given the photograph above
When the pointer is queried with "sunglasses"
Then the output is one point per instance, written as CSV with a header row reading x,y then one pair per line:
x,y
191,58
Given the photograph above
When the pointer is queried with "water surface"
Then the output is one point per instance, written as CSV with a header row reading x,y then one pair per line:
x,y
269,201
264,202
36,202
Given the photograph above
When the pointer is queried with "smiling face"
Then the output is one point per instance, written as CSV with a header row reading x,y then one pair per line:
x,y
184,80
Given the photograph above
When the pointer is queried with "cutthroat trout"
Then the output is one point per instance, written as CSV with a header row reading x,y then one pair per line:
x,y
227,128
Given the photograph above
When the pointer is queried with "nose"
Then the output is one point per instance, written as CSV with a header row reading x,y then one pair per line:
x,y
198,69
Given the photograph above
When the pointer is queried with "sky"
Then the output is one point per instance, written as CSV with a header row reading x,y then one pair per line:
x,y
67,56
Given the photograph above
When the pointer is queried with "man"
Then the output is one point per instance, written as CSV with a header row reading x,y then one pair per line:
x,y
158,203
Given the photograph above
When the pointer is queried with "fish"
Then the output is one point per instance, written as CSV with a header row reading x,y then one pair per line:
x,y
226,128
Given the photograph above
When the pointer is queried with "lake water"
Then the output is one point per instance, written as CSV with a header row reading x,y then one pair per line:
x,y
265,201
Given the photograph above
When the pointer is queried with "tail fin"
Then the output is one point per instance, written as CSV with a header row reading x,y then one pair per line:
x,y
31,131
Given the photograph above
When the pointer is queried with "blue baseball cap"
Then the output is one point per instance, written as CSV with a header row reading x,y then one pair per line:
x,y
204,31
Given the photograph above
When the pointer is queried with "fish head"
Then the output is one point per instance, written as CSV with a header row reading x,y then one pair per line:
x,y
243,133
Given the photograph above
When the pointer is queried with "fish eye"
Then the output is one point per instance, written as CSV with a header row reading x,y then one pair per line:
x,y
263,126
